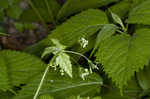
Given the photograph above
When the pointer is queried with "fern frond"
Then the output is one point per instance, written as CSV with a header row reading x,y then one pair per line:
x,y
84,24
17,68
122,55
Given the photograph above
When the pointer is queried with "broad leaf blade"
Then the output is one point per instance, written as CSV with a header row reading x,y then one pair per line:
x,y
18,68
122,55
140,14
62,86
106,32
85,23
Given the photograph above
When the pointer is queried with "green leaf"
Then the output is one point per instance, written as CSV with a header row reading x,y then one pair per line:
x,y
144,78
17,68
85,23
140,14
19,26
97,97
63,61
122,8
62,86
49,50
106,32
4,4
7,94
73,6
46,97
47,11
14,11
1,15
123,55
115,94
117,19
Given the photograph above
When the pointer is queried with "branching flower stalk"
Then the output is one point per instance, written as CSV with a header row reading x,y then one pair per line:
x,y
51,63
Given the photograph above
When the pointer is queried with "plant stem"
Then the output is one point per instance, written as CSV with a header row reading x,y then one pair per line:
x,y
41,82
43,77
77,54
38,14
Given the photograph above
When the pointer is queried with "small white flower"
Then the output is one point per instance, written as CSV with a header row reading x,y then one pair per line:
x,y
83,42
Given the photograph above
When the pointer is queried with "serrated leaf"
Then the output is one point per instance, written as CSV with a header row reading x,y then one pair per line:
x,y
62,86
63,61
106,32
140,14
144,78
85,23
17,68
122,55
73,6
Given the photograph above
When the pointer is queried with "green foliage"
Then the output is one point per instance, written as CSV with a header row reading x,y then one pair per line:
x,y
119,38
46,97
62,86
16,68
14,11
73,6
140,14
47,9
144,79
12,7
62,59
106,32
84,24
122,55
122,8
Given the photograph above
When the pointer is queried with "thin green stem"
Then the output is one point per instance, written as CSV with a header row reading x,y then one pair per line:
x,y
77,54
43,77
37,13
50,12
41,82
